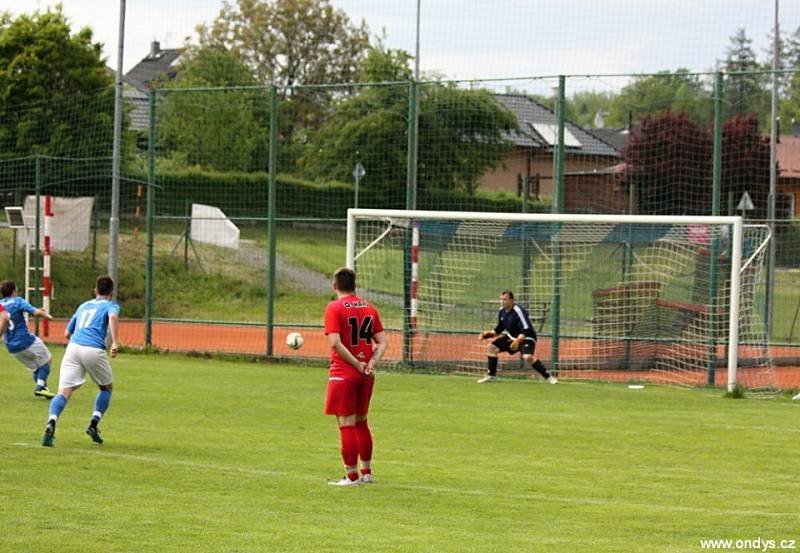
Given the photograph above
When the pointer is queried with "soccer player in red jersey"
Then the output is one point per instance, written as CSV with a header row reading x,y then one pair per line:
x,y
4,318
352,325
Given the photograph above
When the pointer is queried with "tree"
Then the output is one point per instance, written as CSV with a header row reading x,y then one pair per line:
x,y
654,95
745,163
585,107
790,105
55,92
668,161
462,133
744,93
223,130
791,51
290,42
783,60
790,101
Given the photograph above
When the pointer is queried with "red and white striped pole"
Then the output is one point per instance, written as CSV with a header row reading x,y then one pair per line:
x,y
46,282
414,274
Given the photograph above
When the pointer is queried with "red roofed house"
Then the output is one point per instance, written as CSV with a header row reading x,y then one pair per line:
x,y
788,152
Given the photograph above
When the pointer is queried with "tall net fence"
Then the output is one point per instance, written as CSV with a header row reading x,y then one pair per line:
x,y
664,128
204,155
211,179
207,166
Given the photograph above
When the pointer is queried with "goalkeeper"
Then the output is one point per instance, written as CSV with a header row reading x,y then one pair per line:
x,y
513,332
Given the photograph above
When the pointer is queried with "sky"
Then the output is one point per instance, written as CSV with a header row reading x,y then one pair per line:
x,y
488,39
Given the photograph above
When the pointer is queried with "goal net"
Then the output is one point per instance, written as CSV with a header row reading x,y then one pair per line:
x,y
612,297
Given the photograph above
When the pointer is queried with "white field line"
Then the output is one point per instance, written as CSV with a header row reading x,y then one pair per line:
x,y
227,469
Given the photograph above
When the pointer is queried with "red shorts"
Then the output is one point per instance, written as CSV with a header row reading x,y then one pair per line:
x,y
348,397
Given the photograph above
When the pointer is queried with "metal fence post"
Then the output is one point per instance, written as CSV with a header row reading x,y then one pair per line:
x,y
713,262
558,207
411,202
151,181
273,160
36,297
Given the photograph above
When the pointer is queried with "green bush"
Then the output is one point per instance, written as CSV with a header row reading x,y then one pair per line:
x,y
237,194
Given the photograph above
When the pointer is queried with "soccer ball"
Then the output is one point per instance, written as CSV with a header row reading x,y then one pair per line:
x,y
294,340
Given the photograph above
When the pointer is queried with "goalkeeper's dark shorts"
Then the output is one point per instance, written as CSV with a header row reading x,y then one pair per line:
x,y
503,343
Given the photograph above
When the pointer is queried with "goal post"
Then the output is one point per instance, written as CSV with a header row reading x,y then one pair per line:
x,y
735,293
613,296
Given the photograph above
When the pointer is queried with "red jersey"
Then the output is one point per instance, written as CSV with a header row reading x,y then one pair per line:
x,y
356,321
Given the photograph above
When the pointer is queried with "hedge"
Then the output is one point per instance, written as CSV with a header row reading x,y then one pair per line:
x,y
236,194
245,195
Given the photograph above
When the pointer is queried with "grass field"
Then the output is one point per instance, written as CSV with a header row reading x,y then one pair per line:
x,y
209,455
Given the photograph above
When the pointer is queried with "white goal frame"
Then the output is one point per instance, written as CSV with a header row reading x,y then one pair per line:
x,y
736,223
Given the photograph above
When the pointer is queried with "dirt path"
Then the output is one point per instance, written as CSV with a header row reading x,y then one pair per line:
x,y
302,278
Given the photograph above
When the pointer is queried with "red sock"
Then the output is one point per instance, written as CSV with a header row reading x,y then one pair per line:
x,y
349,445
364,438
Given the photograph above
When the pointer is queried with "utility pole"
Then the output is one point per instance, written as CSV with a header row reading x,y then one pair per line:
x,y
773,176
417,96
113,222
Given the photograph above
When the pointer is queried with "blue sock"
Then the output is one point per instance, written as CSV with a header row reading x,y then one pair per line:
x,y
101,404
41,374
57,405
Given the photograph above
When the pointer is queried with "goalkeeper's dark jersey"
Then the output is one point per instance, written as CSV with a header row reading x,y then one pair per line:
x,y
516,322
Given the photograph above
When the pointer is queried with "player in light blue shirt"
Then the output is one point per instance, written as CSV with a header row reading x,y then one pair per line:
x,y
89,325
27,348
86,353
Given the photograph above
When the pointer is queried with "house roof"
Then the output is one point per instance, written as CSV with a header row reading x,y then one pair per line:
x,y
536,122
156,64
788,152
616,138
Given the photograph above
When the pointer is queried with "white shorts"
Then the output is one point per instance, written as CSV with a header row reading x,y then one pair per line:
x,y
78,360
35,356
